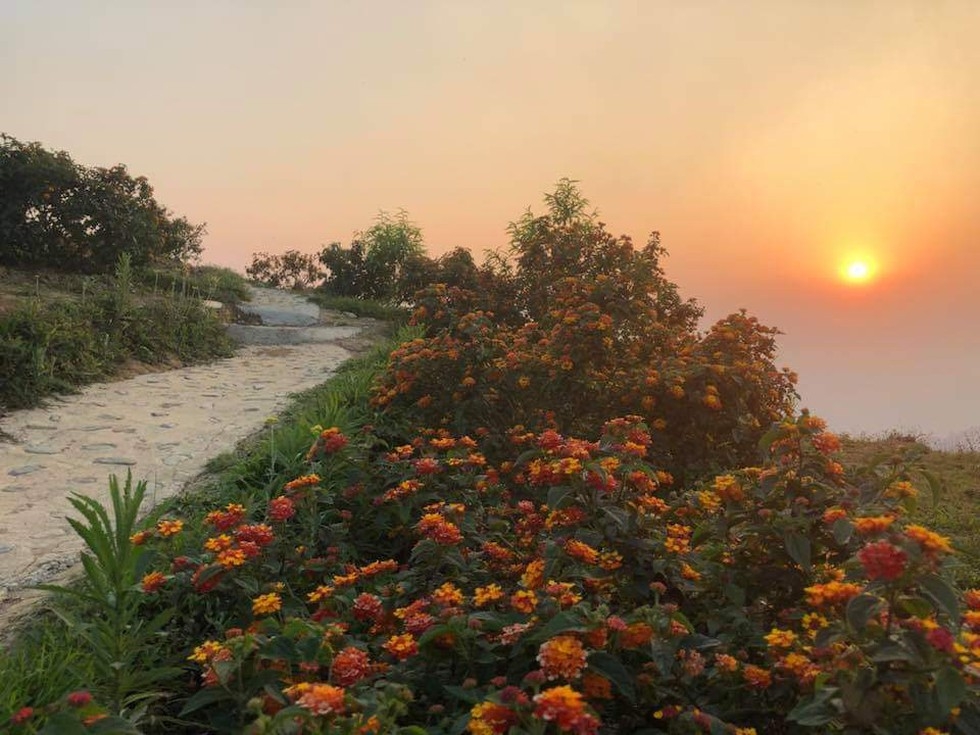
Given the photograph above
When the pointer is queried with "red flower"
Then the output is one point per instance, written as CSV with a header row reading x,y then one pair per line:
x,y
883,561
281,509
79,699
22,715
350,666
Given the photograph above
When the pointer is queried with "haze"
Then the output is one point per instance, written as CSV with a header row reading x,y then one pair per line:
x,y
766,141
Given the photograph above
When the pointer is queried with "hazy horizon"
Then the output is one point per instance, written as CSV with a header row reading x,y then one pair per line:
x,y
766,141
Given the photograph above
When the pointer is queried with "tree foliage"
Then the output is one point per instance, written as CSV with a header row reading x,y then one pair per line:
x,y
56,213
292,269
371,268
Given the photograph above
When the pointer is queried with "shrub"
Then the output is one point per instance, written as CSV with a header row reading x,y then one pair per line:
x,y
579,350
292,269
55,213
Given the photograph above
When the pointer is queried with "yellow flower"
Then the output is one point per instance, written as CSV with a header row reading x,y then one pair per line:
x,y
266,604
483,596
169,528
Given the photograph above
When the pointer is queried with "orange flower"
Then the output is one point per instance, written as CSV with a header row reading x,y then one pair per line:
x,y
533,576
281,509
524,601
490,718
562,656
350,666
873,524
169,528
777,638
266,604
728,488
206,652
565,707
322,699
483,596
437,528
636,635
832,592
595,686
153,581
302,481
581,551
883,561
231,558
402,646
448,595
756,677
932,543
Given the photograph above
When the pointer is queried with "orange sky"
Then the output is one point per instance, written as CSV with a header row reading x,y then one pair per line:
x,y
765,140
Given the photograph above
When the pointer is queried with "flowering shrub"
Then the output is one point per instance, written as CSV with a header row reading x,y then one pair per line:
x,y
573,586
583,518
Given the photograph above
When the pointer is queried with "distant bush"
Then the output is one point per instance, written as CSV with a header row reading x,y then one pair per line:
x,y
292,269
56,213
203,281
52,346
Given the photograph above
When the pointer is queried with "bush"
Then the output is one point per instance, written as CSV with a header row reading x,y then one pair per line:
x,y
574,351
55,213
292,269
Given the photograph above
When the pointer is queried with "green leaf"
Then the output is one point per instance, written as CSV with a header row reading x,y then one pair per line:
x,y
950,689
557,495
815,711
204,698
798,548
62,723
860,609
842,530
942,594
470,696
935,486
609,666
567,620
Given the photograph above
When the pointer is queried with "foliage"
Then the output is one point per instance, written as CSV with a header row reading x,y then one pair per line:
x,y
578,350
292,269
199,281
120,639
371,267
430,567
360,307
56,213
51,345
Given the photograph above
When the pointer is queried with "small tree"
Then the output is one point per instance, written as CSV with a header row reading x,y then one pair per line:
x,y
371,268
292,269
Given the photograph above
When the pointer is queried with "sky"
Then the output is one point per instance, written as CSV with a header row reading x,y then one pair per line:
x,y
767,141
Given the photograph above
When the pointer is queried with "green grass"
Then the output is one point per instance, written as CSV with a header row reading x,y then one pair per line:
x,y
62,331
953,509
46,660
360,307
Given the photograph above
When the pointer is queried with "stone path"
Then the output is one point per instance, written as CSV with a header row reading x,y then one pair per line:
x,y
163,427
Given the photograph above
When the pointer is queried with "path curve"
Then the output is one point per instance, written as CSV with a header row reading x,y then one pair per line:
x,y
164,427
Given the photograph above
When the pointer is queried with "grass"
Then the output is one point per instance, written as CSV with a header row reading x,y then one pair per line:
x,y
359,307
952,509
46,660
60,331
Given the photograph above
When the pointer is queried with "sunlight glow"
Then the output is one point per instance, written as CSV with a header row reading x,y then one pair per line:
x,y
858,270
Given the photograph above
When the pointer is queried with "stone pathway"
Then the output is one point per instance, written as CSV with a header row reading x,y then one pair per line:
x,y
163,427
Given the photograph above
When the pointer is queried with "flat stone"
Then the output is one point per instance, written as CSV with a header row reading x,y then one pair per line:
x,y
168,445
175,459
210,395
41,427
41,449
158,414
124,431
86,480
170,405
25,469
109,417
13,488
167,426
115,460
99,446
4,548
96,427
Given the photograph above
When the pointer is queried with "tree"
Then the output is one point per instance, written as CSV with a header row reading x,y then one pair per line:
x,y
292,269
372,266
56,213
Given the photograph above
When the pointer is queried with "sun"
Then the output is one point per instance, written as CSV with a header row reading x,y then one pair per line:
x,y
858,270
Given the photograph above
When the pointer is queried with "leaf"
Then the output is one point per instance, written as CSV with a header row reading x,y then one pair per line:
x,y
203,698
609,666
942,594
63,723
567,620
935,486
860,609
557,495
842,530
950,689
818,710
798,548
470,696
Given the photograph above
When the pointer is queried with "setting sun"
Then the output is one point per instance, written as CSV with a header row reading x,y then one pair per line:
x,y
857,270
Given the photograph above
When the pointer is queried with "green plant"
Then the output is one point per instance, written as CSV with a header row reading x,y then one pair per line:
x,y
120,641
